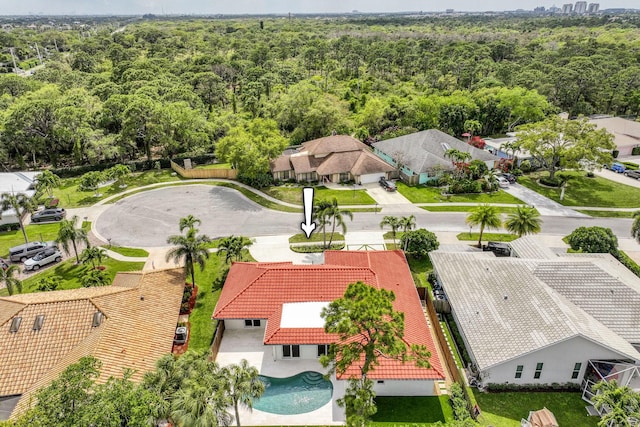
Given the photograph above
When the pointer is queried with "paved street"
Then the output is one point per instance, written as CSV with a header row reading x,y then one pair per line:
x,y
147,219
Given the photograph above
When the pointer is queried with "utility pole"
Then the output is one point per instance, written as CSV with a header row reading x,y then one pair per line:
x,y
13,56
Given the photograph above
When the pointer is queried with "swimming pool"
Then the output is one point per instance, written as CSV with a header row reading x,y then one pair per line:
x,y
301,393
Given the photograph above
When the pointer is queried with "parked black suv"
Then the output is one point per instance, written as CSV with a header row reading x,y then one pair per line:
x,y
386,184
55,214
498,248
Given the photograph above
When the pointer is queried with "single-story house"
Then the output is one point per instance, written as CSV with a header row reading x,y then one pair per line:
x,y
128,325
16,183
336,158
281,304
626,133
421,154
542,316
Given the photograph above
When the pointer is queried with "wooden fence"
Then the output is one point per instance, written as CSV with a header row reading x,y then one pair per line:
x,y
204,173
217,339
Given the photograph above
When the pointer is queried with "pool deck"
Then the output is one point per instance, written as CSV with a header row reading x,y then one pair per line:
x,y
247,344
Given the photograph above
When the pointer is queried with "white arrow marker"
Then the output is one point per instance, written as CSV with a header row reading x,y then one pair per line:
x,y
307,199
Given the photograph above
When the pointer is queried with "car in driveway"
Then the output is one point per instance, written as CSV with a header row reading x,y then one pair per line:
x,y
502,182
386,184
509,177
618,167
54,214
47,256
24,252
632,174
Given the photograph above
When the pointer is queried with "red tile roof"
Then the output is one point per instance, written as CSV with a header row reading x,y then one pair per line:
x,y
258,291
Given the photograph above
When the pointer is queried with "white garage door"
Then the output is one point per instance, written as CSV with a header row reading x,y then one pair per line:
x,y
372,177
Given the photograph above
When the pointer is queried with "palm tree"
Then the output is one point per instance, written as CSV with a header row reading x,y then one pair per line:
x,y
616,404
190,247
407,223
47,181
485,216
525,220
21,204
233,247
12,283
202,401
69,232
394,223
243,385
458,158
321,217
188,221
635,227
119,172
93,254
94,278
334,213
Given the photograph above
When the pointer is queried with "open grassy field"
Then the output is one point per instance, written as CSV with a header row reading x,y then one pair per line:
x,y
344,197
422,194
506,409
584,191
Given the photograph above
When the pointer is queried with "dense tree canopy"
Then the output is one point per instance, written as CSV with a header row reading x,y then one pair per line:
x,y
164,88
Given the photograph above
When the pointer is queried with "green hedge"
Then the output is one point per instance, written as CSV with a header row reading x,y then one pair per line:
x,y
309,249
630,166
629,263
532,387
453,327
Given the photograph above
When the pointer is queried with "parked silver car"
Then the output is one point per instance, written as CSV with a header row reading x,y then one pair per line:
x,y
47,256
24,252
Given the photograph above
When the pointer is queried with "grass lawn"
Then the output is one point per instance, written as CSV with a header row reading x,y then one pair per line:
x,y
418,411
71,197
454,208
607,214
584,191
35,232
344,197
422,194
316,236
70,273
494,237
215,166
419,269
131,252
202,327
506,409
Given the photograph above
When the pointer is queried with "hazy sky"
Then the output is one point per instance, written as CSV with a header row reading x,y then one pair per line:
x,y
82,7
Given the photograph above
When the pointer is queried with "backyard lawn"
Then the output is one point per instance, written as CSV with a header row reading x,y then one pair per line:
x,y
70,273
584,191
344,197
506,409
422,194
416,411
72,197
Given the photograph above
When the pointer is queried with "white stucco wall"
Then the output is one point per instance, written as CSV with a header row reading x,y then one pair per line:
x,y
239,324
404,388
559,361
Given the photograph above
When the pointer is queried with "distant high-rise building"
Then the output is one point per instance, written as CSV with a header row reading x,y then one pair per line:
x,y
449,11
594,7
567,8
554,9
580,7
539,9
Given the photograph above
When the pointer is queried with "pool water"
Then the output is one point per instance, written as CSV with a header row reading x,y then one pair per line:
x,y
301,393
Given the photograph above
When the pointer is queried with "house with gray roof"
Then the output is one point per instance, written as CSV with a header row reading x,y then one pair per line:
x,y
336,158
420,156
544,317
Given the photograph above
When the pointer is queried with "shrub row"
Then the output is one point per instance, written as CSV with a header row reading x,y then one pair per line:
x,y
140,165
629,263
635,151
458,402
9,227
532,387
309,249
458,339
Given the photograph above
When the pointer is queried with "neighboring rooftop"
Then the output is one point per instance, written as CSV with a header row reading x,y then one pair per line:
x,y
129,324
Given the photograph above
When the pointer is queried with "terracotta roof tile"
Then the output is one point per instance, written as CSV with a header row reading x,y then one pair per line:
x,y
257,291
332,144
138,327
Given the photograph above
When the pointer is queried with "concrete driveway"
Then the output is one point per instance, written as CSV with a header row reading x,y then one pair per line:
x,y
390,201
545,206
618,177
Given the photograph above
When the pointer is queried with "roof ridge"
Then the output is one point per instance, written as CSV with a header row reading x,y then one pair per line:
x,y
236,296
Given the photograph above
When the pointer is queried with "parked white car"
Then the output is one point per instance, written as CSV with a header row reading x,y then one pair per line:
x,y
47,256
502,182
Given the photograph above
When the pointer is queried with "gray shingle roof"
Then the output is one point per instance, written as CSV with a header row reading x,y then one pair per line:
x,y
528,247
506,311
422,151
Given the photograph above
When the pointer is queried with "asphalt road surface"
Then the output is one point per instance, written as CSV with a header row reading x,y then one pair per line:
x,y
148,218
